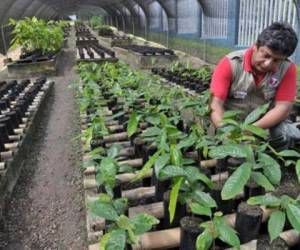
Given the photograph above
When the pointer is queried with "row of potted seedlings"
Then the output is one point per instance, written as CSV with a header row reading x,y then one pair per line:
x,y
194,79
207,185
40,40
20,106
18,101
147,50
89,49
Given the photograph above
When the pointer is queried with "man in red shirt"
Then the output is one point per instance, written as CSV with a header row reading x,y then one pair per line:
x,y
260,74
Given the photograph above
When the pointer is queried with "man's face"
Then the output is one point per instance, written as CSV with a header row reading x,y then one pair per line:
x,y
265,60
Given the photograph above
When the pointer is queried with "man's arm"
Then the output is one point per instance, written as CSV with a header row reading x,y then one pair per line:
x,y
216,106
275,115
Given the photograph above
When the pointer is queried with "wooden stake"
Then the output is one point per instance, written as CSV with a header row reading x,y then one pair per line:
x,y
11,146
2,165
116,137
125,178
136,163
155,209
163,239
208,163
6,155
139,193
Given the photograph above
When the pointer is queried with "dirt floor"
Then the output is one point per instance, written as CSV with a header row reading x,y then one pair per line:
x,y
47,209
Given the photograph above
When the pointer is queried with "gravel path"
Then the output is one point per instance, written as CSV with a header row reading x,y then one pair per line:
x,y
47,209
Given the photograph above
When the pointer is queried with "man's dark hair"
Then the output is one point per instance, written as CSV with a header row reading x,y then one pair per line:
x,y
279,37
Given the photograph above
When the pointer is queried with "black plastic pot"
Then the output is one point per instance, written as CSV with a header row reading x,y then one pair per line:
x,y
3,136
227,206
189,231
160,187
252,189
8,123
248,222
138,147
97,143
180,212
116,190
221,165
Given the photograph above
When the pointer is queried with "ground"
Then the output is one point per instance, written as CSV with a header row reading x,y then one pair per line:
x,y
47,210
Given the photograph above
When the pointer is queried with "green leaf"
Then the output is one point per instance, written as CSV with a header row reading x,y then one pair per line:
x,y
104,210
174,196
261,180
193,174
124,223
143,223
160,163
289,153
150,132
170,172
116,240
132,124
199,209
293,214
175,155
204,199
256,113
265,200
234,150
271,168
103,241
236,182
276,224
147,166
298,170
108,172
113,151
231,114
186,142
257,131
227,234
120,205
204,241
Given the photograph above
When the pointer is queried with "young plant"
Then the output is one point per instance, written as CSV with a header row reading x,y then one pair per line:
x,y
36,34
107,168
258,165
216,228
122,230
282,208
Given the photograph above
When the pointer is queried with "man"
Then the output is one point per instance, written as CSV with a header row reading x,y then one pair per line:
x,y
260,74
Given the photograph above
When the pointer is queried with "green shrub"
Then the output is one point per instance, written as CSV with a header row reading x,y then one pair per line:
x,y
36,34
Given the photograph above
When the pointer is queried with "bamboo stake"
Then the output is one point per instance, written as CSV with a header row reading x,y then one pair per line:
x,y
14,137
116,137
133,163
163,239
139,193
2,165
121,143
114,128
125,178
6,155
11,146
127,152
208,163
155,209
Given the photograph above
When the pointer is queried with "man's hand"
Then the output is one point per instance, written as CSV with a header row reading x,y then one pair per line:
x,y
216,116
275,115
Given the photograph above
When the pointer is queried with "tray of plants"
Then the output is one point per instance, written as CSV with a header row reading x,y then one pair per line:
x,y
39,52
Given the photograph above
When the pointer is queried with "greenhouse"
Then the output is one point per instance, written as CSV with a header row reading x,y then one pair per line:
x,y
149,124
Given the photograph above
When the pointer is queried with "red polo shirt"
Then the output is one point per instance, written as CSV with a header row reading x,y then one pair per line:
x,y
222,77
